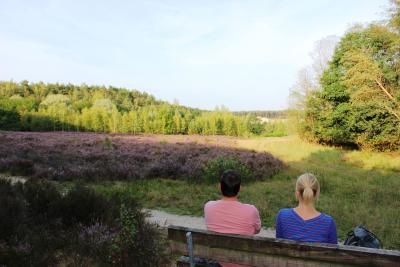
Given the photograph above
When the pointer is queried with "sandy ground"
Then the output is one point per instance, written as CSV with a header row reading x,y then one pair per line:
x,y
13,179
164,219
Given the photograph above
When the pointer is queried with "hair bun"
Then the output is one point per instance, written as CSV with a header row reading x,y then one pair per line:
x,y
308,185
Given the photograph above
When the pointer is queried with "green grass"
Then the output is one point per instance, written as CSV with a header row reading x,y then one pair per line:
x,y
356,187
275,128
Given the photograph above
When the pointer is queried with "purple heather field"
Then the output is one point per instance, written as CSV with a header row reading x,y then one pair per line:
x,y
90,156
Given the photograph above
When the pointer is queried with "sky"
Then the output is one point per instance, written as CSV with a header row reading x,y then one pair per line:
x,y
243,54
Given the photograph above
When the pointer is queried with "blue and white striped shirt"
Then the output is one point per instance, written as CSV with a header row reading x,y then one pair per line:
x,y
321,229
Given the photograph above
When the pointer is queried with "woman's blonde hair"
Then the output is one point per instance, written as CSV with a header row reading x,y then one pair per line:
x,y
308,187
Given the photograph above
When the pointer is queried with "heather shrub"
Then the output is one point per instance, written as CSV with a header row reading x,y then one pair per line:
x,y
13,255
42,227
135,235
12,210
17,166
83,205
107,143
98,157
214,168
93,243
42,199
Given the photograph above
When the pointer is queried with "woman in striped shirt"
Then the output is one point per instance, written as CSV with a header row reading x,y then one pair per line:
x,y
304,223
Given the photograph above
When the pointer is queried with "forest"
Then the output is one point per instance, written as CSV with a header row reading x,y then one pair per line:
x,y
65,107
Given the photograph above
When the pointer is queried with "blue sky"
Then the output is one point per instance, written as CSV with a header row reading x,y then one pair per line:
x,y
242,54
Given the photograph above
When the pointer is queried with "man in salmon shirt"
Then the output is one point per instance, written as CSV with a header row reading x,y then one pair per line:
x,y
228,215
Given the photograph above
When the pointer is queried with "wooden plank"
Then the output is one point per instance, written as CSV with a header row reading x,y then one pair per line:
x,y
252,259
253,249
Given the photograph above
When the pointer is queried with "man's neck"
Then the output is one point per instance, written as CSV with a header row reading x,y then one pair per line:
x,y
230,198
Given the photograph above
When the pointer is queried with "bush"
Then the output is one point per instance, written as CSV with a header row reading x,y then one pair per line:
x,y
93,243
83,206
12,211
17,166
42,198
275,129
41,227
214,168
135,235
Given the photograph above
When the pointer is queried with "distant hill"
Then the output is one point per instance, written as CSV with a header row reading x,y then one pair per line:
x,y
67,107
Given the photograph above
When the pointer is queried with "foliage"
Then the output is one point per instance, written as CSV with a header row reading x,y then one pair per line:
x,y
16,166
88,156
84,206
135,235
213,169
42,227
360,98
270,114
59,107
354,97
275,128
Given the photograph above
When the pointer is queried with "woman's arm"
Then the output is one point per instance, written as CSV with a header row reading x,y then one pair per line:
x,y
332,237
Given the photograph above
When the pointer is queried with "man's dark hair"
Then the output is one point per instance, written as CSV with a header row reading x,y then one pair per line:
x,y
230,183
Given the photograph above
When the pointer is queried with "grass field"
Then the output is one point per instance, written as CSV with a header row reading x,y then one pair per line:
x,y
356,187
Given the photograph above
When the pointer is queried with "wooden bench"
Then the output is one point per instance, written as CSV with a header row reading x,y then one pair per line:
x,y
271,252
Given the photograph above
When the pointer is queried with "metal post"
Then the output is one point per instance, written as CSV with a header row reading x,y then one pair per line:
x,y
190,248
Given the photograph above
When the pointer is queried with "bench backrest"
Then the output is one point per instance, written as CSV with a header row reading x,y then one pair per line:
x,y
271,252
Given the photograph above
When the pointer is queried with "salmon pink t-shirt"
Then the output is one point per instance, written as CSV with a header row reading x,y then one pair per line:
x,y
232,217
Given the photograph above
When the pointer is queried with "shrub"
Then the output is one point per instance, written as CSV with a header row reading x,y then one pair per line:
x,y
83,205
41,227
275,129
214,168
17,166
137,243
12,211
42,198
94,242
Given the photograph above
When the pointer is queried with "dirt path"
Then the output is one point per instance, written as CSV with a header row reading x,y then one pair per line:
x,y
12,179
163,218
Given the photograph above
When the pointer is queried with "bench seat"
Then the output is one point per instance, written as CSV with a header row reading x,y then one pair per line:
x,y
272,252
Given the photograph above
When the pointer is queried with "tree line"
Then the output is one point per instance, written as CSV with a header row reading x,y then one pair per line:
x,y
270,114
65,107
356,99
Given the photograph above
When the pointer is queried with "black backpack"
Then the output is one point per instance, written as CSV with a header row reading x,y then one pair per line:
x,y
360,236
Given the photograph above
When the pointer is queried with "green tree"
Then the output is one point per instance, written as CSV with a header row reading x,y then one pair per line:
x,y
359,100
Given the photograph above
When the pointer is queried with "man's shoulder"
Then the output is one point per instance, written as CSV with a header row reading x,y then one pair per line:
x,y
249,207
